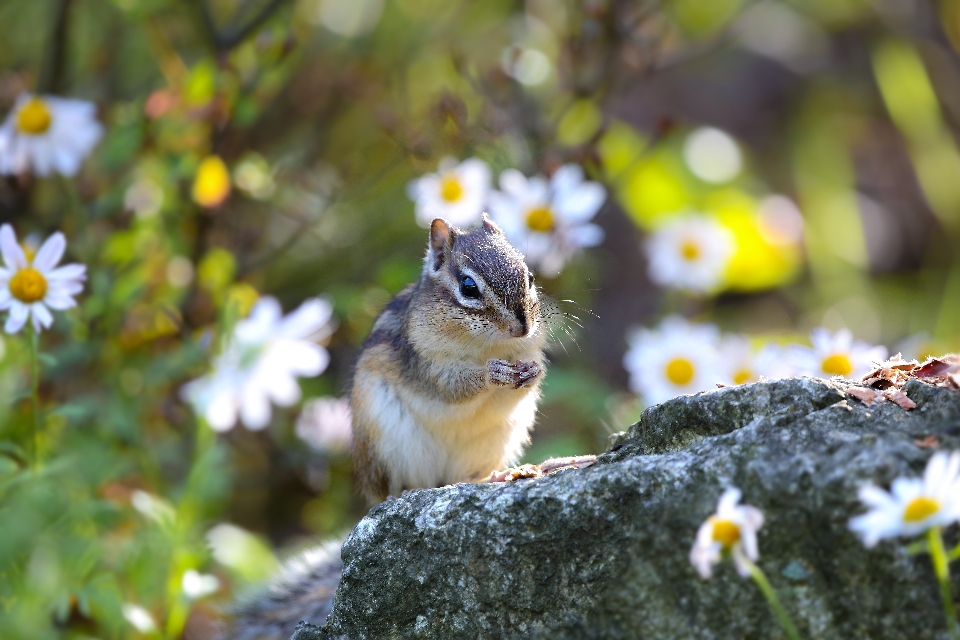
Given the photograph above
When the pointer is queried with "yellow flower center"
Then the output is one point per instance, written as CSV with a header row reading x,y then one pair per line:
x,y
540,219
34,117
28,285
725,532
679,371
690,250
744,375
451,189
837,364
920,509
212,183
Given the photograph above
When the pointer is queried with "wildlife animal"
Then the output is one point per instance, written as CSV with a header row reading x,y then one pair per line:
x,y
445,390
447,383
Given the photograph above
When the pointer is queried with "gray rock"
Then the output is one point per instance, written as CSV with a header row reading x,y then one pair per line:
x,y
603,552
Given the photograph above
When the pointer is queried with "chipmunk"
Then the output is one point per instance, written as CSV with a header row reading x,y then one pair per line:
x,y
447,383
445,391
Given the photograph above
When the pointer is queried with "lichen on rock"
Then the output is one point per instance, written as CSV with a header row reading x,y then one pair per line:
x,y
602,552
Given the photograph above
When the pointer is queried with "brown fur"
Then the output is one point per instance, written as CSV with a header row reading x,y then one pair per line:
x,y
426,341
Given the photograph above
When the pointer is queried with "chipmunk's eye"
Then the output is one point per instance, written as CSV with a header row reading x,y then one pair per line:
x,y
469,288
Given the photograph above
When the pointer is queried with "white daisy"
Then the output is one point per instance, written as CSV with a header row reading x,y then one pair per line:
x,y
325,424
913,505
457,192
690,252
47,134
742,363
548,221
836,354
732,529
260,363
676,358
31,286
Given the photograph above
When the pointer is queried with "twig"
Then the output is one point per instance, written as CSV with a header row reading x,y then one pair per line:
x,y
232,37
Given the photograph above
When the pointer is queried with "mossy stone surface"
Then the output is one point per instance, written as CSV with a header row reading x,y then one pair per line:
x,y
602,552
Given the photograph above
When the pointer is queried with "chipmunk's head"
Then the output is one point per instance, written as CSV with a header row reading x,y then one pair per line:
x,y
483,280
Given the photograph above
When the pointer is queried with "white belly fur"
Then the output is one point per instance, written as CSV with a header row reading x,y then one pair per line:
x,y
430,443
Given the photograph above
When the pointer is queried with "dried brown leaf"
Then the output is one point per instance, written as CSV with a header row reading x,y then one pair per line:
x,y
933,368
901,398
930,442
897,362
878,382
868,397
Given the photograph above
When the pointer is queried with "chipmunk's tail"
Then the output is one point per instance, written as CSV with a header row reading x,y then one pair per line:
x,y
304,590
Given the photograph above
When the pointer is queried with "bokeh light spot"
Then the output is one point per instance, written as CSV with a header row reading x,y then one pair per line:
x,y
712,155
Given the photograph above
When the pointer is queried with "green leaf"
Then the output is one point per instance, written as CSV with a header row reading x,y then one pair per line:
x,y
47,360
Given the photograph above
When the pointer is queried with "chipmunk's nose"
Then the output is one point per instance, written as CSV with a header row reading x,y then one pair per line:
x,y
519,328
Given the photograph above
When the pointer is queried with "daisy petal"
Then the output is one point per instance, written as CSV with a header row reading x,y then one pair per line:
x,y
13,255
588,235
741,562
68,272
282,389
935,472
308,319
19,313
221,413
41,315
906,489
875,497
50,253
55,299
728,501
255,409
583,203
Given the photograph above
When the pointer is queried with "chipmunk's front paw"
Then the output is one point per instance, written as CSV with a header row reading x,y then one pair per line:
x,y
516,375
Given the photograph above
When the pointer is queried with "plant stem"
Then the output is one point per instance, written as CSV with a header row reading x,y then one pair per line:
x,y
772,598
942,570
51,77
35,394
953,554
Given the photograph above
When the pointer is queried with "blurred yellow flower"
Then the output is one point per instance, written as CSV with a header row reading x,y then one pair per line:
x,y
767,237
211,186
657,184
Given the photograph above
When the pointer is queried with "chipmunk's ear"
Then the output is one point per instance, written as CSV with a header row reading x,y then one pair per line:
x,y
490,225
441,243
